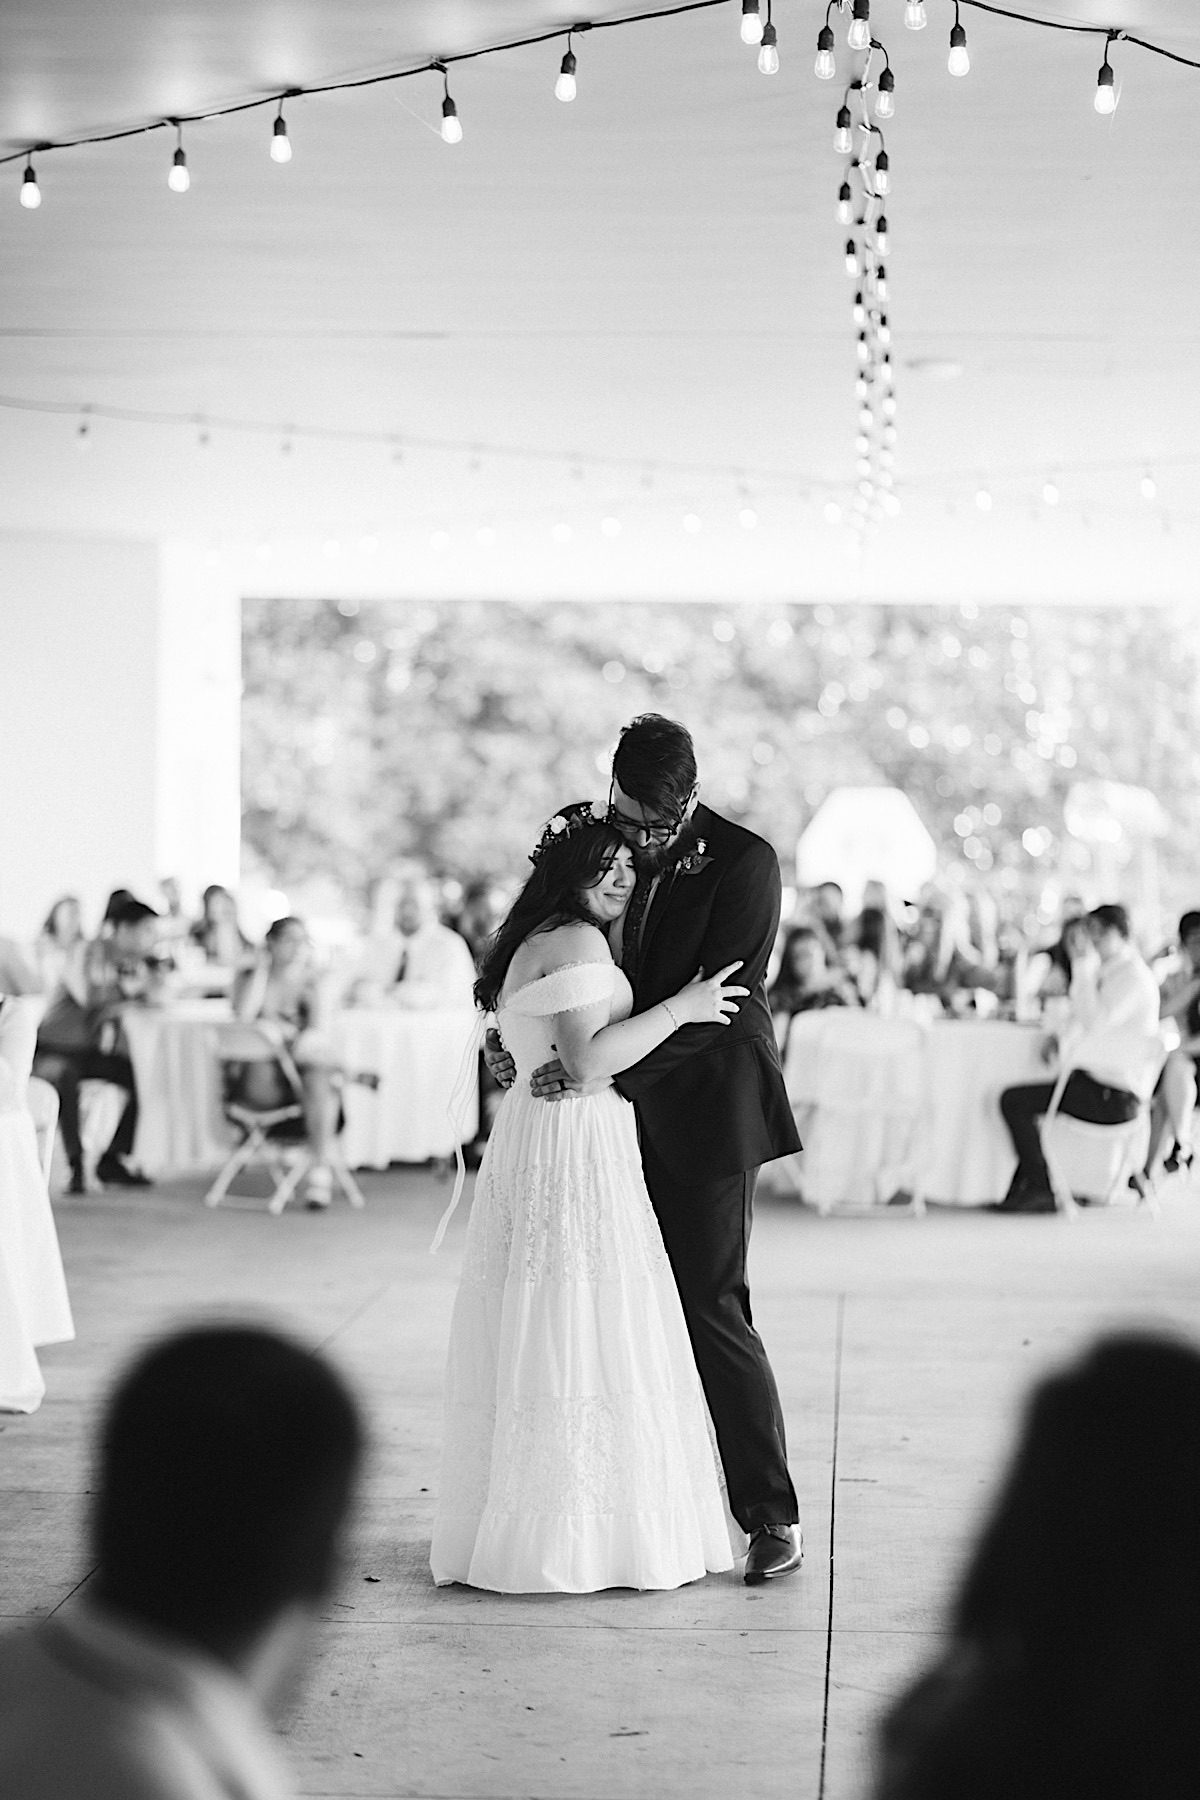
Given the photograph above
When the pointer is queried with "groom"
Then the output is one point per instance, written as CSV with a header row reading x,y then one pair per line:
x,y
711,1104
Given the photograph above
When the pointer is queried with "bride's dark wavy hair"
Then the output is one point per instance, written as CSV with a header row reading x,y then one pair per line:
x,y
563,866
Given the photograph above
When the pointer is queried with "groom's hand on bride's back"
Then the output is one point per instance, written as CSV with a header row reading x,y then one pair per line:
x,y
501,1066
551,1082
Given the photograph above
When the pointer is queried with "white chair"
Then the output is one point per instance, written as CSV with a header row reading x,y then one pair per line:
x,y
862,1145
274,1136
1096,1161
42,1101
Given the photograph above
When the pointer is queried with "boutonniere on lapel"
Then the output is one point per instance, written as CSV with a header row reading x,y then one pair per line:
x,y
697,860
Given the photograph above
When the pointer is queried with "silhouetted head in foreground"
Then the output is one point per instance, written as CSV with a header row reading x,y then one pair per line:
x,y
1073,1667
227,1463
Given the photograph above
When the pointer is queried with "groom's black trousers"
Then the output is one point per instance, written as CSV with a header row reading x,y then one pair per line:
x,y
706,1229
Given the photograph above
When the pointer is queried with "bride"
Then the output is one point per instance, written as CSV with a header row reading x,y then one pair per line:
x,y
577,1453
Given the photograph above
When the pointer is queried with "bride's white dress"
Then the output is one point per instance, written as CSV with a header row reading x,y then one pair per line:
x,y
577,1453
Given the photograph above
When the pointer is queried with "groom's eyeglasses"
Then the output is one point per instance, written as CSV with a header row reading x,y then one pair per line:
x,y
659,831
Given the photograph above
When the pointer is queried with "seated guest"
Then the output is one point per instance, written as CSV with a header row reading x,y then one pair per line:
x,y
18,974
805,981
1050,969
228,1461
60,949
173,925
120,970
116,900
828,905
940,958
421,963
284,993
1175,1096
873,955
1073,1659
218,932
1111,988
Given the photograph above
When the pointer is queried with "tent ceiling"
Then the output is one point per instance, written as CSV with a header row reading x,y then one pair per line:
x,y
646,286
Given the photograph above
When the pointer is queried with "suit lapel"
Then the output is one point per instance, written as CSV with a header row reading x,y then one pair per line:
x,y
661,899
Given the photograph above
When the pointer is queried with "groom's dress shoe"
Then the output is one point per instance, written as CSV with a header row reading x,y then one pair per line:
x,y
774,1550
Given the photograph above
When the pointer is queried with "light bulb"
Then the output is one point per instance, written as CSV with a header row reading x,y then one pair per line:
x,y
891,505
889,436
885,99
914,15
178,180
851,257
752,29
747,518
845,205
451,125
960,62
859,35
884,330
1149,486
1106,93
825,66
889,407
1050,494
843,137
883,173
862,444
863,465
885,369
866,418
983,500
768,56
31,193
281,144
860,311
862,387
881,281
833,512
881,234
864,348
564,87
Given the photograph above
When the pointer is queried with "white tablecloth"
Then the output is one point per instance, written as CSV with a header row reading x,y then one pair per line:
x,y
967,1155
421,1059
180,1126
889,1103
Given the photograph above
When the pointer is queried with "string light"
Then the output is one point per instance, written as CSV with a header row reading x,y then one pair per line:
x,y
768,55
983,500
885,95
881,234
281,143
1050,494
914,15
825,66
1106,94
451,124
564,87
31,193
851,258
843,137
860,311
959,62
845,206
1149,487
882,176
752,29
178,179
859,35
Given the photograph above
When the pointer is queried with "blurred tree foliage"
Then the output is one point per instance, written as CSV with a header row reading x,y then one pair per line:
x,y
385,729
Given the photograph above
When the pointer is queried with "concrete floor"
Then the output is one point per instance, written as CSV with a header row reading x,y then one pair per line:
x,y
902,1347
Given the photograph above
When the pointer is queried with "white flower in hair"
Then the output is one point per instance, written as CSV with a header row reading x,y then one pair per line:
x,y
558,824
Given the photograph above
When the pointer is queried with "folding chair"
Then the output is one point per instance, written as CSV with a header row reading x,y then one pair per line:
x,y
275,1136
42,1101
1096,1161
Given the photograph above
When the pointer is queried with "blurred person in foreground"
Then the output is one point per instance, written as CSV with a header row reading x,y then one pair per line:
x,y
1073,1663
1112,990
227,1464
284,995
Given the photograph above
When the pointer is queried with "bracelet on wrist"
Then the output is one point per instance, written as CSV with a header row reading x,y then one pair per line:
x,y
675,1026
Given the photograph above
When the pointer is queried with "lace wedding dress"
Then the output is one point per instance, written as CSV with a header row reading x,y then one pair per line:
x,y
577,1453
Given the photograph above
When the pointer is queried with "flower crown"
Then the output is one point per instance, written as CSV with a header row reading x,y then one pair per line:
x,y
580,816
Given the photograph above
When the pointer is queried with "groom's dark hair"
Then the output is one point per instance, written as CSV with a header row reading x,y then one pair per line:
x,y
655,763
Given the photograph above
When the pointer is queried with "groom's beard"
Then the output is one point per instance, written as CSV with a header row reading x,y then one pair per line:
x,y
656,859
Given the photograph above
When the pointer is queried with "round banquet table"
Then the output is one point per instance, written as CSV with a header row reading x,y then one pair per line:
x,y
967,1155
426,1102
180,1127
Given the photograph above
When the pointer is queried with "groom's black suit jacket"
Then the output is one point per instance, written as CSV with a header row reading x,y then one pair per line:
x,y
711,1099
